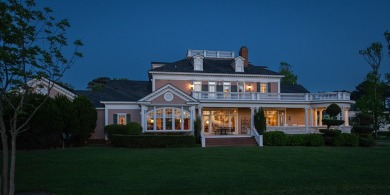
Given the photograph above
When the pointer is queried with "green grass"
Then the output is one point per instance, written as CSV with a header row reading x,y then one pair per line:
x,y
228,170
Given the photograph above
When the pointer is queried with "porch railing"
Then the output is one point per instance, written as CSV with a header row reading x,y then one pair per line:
x,y
258,137
203,95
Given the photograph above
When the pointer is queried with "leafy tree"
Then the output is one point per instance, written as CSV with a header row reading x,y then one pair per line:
x,y
68,116
86,116
289,76
372,102
98,83
260,121
387,37
31,43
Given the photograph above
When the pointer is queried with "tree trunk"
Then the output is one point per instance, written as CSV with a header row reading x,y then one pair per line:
x,y
4,141
12,167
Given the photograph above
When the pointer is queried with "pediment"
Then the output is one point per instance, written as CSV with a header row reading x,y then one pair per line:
x,y
168,94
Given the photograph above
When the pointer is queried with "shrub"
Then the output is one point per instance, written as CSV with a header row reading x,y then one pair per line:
x,y
332,122
134,128
333,110
330,132
197,129
297,140
275,138
314,140
346,139
362,130
367,141
110,130
152,141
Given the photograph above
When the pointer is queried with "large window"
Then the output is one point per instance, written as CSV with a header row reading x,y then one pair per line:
x,y
121,118
168,119
216,119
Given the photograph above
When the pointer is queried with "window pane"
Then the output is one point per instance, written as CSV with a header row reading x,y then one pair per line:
x,y
186,124
168,123
177,123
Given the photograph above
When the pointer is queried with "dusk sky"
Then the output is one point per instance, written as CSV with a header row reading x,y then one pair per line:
x,y
320,39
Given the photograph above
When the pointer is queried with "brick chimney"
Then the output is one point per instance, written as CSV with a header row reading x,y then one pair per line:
x,y
244,53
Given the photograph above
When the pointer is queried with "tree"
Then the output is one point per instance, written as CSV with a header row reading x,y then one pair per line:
x,y
86,120
387,37
98,83
197,129
373,99
68,117
289,76
260,121
31,42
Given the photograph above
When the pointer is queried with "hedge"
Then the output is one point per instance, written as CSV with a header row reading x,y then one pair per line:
x,y
275,138
134,128
152,141
367,141
279,138
330,132
346,139
110,130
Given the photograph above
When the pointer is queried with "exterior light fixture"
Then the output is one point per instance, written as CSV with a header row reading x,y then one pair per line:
x,y
249,87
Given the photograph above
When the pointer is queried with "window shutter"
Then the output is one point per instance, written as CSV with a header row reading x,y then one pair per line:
x,y
234,88
269,87
115,119
219,88
258,87
205,88
128,119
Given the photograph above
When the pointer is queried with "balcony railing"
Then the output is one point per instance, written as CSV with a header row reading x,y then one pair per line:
x,y
201,95
211,54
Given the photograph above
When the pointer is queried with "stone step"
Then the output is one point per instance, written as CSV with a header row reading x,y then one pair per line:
x,y
231,141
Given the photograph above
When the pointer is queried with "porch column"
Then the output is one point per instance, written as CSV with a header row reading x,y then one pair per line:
x,y
192,111
311,116
315,117
306,120
320,117
200,111
143,121
346,116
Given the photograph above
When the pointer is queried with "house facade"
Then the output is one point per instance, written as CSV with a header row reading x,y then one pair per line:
x,y
224,90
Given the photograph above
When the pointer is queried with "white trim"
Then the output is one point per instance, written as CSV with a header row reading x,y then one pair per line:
x,y
217,77
118,102
131,107
168,88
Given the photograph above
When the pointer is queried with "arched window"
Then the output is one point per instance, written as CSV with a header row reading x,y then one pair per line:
x,y
168,119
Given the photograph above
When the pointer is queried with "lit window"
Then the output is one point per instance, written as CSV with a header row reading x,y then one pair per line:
x,y
263,87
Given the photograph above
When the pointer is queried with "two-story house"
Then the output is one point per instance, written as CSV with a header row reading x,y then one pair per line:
x,y
221,88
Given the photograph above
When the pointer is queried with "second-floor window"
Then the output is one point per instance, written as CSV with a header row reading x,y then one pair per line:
x,y
263,88
197,86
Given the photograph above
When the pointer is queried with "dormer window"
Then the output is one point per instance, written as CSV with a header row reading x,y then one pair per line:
x,y
238,64
197,62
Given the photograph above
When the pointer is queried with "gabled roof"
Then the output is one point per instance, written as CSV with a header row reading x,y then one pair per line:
x,y
287,88
213,65
168,88
118,90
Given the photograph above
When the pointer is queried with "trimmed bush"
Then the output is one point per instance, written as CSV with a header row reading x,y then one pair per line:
x,y
362,130
110,130
152,141
314,140
330,132
297,140
346,139
134,128
275,138
367,141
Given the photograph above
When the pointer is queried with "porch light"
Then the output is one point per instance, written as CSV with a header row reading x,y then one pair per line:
x,y
249,87
192,85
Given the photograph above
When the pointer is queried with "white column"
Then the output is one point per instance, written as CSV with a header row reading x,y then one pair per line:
x,y
105,115
311,117
315,117
320,117
346,117
143,118
306,120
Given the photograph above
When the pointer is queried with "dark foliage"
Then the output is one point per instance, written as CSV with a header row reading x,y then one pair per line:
x,y
86,117
315,140
275,138
110,130
332,122
297,140
330,132
346,139
197,129
260,121
333,110
367,141
134,128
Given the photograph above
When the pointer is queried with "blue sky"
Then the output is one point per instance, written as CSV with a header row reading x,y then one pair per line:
x,y
320,39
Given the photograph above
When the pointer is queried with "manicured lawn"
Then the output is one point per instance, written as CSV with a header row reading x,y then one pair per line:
x,y
229,170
